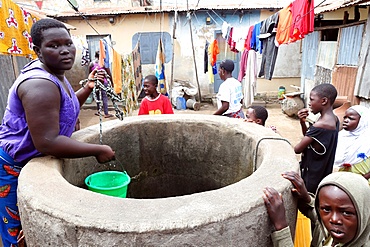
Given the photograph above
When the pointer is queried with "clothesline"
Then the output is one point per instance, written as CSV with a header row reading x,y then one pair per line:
x,y
282,30
287,27
306,13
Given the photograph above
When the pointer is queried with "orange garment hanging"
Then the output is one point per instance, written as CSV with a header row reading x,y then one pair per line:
x,y
117,72
214,51
284,24
101,53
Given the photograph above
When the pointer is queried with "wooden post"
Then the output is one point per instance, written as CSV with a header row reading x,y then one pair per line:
x,y
192,45
173,49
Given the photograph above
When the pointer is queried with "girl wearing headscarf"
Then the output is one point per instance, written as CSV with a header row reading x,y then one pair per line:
x,y
340,211
353,149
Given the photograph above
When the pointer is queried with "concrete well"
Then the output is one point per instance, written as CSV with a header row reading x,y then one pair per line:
x,y
193,185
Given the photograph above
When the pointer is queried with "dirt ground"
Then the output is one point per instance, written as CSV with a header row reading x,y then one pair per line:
x,y
287,127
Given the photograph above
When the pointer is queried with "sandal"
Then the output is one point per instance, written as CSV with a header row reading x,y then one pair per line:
x,y
108,115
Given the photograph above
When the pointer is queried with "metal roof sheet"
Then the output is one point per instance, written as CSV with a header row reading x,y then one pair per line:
x,y
171,6
156,9
330,5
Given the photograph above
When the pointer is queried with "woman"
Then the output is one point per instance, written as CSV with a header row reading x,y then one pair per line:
x,y
353,147
40,117
230,96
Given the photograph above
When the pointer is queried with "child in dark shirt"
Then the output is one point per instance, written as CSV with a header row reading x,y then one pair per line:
x,y
320,140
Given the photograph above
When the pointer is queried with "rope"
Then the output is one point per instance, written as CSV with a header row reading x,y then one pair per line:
x,y
99,86
217,16
99,101
300,18
258,143
197,4
212,18
238,7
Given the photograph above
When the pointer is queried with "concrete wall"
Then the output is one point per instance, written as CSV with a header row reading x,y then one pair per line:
x,y
56,210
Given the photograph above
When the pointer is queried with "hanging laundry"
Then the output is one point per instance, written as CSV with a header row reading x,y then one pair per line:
x,y
211,77
270,50
256,44
159,69
225,29
117,72
137,67
231,42
302,19
249,83
243,65
15,27
247,43
85,56
284,24
213,51
206,57
128,94
102,54
85,59
239,38
108,52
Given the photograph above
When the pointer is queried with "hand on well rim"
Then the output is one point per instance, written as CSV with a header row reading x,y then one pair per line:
x,y
299,190
275,208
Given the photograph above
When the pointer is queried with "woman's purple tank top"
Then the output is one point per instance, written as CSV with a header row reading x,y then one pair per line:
x,y
15,138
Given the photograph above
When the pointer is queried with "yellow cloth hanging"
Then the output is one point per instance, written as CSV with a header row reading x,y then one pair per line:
x,y
211,76
302,231
15,28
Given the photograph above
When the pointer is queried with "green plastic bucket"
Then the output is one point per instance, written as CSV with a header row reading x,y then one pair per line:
x,y
111,183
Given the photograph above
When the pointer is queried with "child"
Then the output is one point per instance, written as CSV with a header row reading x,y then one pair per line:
x,y
230,95
320,140
353,147
340,211
154,102
257,114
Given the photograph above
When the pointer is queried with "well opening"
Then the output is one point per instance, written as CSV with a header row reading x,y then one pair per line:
x,y
168,158
192,183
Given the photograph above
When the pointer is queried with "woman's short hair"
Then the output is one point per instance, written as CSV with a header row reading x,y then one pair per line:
x,y
42,25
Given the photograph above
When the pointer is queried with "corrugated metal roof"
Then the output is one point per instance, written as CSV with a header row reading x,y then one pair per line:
x,y
152,9
330,5
42,15
171,6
